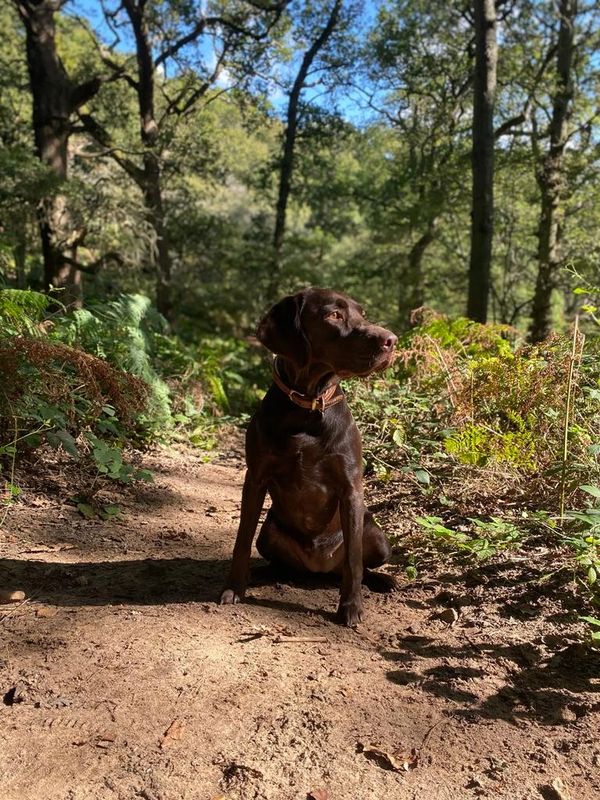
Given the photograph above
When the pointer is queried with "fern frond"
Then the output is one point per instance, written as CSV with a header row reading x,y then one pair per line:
x,y
21,310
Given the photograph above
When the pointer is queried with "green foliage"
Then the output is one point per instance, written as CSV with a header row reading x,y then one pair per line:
x,y
190,384
594,629
477,444
121,331
58,388
485,539
486,399
21,311
90,510
466,410
584,539
58,395
55,395
93,380
109,462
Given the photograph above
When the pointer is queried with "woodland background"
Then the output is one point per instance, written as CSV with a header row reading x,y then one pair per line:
x,y
215,156
169,169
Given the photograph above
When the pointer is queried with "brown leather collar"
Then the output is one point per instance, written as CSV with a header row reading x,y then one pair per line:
x,y
320,403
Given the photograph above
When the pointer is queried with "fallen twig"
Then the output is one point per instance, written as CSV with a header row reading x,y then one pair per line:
x,y
291,639
14,608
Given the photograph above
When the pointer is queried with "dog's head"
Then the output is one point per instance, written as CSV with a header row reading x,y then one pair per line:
x,y
320,326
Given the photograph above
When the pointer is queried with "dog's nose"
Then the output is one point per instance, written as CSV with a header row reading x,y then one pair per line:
x,y
388,342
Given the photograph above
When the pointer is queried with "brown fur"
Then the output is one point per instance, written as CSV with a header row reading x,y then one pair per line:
x,y
311,462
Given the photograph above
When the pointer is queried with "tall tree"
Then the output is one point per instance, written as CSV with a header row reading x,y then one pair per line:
x,y
419,82
550,174
286,166
55,100
482,157
166,35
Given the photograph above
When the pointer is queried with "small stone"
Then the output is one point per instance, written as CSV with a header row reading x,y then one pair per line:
x,y
556,790
449,615
11,596
565,715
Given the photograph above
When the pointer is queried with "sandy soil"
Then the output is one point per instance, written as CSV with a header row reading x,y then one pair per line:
x,y
121,677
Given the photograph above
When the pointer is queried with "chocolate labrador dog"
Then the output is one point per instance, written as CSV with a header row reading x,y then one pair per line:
x,y
303,447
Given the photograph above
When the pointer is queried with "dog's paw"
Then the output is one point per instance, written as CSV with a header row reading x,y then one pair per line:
x,y
230,597
350,612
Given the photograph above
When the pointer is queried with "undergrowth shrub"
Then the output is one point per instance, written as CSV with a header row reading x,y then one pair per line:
x,y
476,395
21,311
120,332
191,385
51,393
112,373
502,437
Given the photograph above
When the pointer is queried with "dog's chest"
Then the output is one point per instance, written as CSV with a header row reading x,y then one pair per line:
x,y
304,465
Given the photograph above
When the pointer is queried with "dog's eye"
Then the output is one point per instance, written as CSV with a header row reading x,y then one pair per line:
x,y
335,315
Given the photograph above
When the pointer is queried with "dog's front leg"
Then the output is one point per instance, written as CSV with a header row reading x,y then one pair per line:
x,y
352,516
253,497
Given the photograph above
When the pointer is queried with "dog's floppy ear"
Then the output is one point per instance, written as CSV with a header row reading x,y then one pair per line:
x,y
281,330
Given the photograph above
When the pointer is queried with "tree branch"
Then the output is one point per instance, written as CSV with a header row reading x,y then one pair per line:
x,y
95,266
101,135
81,94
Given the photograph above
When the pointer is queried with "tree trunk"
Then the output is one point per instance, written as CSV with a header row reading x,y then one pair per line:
x,y
156,217
287,159
150,180
20,254
411,294
482,212
550,177
54,100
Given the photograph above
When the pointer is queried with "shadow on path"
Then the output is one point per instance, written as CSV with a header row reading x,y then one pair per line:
x,y
553,689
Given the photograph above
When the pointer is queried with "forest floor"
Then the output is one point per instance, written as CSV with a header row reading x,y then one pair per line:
x,y
121,678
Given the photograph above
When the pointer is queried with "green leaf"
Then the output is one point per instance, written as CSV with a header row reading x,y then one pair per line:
x,y
591,621
593,490
398,437
144,475
65,439
110,512
86,510
422,476
13,491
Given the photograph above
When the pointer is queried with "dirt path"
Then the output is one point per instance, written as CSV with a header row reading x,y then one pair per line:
x,y
122,679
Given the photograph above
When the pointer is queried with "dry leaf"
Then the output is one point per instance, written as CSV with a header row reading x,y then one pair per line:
x,y
318,794
397,761
174,732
